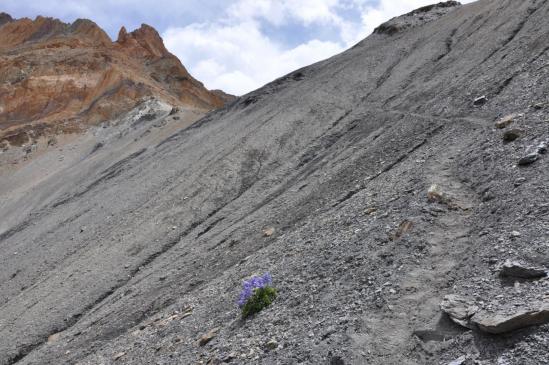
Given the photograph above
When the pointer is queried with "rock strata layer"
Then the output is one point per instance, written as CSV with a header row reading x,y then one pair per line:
x,y
62,77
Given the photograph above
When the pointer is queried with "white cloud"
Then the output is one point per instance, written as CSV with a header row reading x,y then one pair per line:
x,y
232,53
239,58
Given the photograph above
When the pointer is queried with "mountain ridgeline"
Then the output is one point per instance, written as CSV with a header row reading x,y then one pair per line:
x,y
60,78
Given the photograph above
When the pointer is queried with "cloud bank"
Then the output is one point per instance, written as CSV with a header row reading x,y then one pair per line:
x,y
239,51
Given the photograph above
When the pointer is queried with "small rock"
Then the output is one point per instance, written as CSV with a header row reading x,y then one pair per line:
x,y
542,148
370,210
207,337
515,234
538,106
271,344
520,181
459,361
512,135
481,100
505,121
497,323
230,357
268,232
434,194
528,159
118,355
459,309
54,338
328,332
517,269
403,228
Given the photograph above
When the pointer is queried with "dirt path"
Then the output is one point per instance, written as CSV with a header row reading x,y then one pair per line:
x,y
447,240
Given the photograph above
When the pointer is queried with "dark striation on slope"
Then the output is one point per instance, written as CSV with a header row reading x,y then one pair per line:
x,y
131,261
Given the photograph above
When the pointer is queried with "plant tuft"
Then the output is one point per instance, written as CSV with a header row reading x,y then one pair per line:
x,y
257,293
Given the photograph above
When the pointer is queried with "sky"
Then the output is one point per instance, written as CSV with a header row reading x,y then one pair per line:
x,y
234,45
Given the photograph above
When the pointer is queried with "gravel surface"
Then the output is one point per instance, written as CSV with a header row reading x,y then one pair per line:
x,y
130,258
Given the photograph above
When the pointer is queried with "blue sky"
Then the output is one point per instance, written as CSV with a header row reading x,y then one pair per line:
x,y
234,45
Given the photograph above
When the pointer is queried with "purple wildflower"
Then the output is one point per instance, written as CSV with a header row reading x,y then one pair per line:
x,y
249,286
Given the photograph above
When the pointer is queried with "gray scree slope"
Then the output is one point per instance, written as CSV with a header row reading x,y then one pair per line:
x,y
131,258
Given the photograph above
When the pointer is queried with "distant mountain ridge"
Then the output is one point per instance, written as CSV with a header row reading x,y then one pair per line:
x,y
56,76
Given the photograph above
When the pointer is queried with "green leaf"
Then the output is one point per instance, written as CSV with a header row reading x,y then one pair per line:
x,y
263,297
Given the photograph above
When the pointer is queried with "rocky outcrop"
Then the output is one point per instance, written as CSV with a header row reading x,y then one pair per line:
x,y
59,77
227,98
5,18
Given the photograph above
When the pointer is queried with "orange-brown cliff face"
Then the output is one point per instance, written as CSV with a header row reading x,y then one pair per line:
x,y
56,76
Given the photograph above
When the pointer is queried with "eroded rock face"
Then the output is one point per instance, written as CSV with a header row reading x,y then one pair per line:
x,y
66,76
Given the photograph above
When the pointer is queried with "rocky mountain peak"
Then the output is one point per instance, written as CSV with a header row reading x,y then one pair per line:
x,y
87,29
122,35
103,79
5,18
144,41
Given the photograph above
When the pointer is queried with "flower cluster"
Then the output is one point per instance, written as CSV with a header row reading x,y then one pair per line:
x,y
249,286
257,293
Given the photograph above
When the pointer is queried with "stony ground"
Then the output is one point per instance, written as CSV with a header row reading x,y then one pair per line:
x,y
387,186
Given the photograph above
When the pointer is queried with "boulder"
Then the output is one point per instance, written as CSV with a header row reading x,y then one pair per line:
x,y
459,309
497,323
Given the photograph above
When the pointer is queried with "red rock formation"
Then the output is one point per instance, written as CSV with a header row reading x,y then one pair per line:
x,y
67,76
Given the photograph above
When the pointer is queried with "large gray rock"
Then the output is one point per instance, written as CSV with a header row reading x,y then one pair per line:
x,y
497,323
